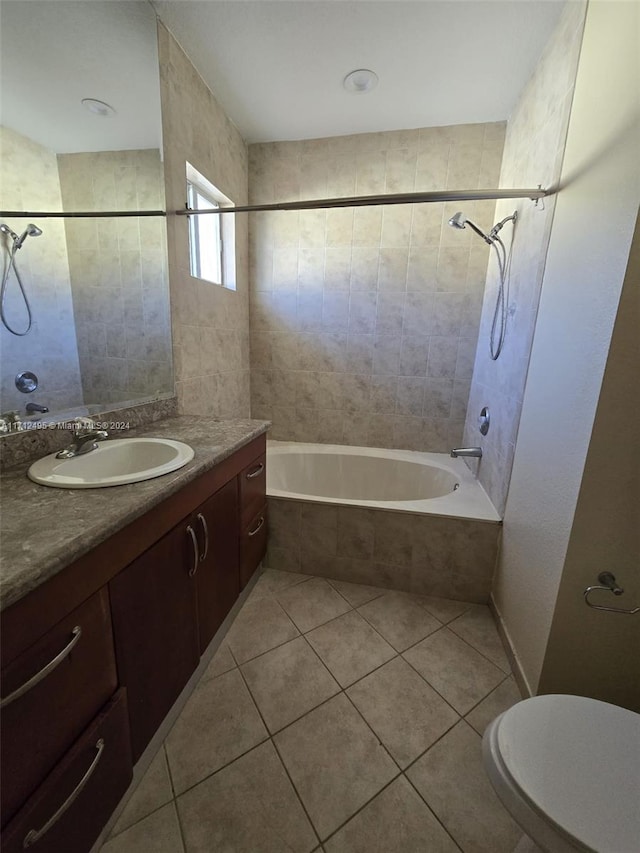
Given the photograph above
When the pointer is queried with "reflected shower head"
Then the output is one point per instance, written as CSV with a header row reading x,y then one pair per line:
x,y
460,221
30,231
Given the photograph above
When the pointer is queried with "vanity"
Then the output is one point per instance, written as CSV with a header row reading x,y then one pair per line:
x,y
111,597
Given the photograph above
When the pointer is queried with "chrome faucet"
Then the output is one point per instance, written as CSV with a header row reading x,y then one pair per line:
x,y
83,442
36,407
466,451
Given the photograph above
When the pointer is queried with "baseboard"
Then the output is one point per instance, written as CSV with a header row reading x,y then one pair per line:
x,y
518,673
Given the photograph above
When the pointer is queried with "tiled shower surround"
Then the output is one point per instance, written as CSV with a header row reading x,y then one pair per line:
x,y
364,321
422,554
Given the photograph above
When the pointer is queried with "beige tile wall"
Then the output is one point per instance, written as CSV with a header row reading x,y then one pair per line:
x,y
210,323
118,274
424,554
533,151
29,181
364,321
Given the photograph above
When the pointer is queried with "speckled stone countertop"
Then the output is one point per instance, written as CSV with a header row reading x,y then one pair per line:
x,y
43,530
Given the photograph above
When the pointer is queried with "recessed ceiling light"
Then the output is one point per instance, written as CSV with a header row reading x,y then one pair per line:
x,y
98,108
360,81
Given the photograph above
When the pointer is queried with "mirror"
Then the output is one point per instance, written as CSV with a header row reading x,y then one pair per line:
x,y
80,130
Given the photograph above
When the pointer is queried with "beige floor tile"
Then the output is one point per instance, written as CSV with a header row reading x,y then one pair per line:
x,y
396,821
335,761
459,673
249,806
272,581
218,724
400,619
357,593
153,791
444,609
451,778
160,833
401,708
478,628
350,647
260,626
312,603
220,663
287,682
502,698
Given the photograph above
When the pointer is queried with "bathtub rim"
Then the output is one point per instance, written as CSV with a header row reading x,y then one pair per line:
x,y
470,502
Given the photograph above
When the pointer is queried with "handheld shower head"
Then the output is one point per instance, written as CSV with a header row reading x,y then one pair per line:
x,y
30,231
6,230
460,221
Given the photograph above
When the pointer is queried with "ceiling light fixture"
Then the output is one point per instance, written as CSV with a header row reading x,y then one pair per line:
x,y
360,81
98,108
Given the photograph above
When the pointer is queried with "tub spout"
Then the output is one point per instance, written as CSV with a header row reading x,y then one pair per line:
x,y
466,451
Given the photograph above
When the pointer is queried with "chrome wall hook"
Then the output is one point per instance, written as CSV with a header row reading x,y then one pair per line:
x,y
607,582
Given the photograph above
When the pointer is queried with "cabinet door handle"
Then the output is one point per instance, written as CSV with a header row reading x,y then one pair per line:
x,y
45,671
258,527
256,471
205,530
36,834
196,551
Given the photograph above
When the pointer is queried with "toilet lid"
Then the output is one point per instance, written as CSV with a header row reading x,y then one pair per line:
x,y
577,762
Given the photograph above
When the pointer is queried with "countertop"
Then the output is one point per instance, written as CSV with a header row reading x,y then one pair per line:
x,y
43,530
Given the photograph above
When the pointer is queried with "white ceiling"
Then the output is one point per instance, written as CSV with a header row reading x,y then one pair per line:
x,y
54,53
277,66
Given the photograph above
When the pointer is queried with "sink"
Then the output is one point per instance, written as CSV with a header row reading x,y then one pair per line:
x,y
113,463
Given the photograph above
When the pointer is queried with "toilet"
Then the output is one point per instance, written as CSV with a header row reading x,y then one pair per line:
x,y
567,768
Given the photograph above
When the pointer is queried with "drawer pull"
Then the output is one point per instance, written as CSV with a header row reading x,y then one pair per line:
x,y
36,834
196,551
256,472
45,671
205,530
258,527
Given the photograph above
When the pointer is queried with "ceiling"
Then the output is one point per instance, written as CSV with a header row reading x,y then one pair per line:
x,y
54,53
277,66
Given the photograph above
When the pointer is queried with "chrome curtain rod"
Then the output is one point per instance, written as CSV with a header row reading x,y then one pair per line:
x,y
312,204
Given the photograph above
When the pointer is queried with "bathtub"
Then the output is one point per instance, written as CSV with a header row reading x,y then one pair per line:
x,y
417,522
400,480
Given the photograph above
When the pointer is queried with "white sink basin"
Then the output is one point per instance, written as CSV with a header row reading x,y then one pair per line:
x,y
113,463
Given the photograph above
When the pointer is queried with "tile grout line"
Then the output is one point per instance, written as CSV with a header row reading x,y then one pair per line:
x,y
282,763
435,815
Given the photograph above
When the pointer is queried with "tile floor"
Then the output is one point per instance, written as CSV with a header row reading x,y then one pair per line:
x,y
335,717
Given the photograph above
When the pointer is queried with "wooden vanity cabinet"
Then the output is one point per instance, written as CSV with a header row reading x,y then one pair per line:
x,y
253,516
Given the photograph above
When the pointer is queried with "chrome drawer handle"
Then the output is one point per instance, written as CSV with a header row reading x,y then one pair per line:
x,y
205,530
45,671
256,472
258,528
36,834
196,551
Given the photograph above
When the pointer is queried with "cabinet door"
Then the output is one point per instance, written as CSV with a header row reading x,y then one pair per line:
x,y
253,544
218,577
50,693
153,609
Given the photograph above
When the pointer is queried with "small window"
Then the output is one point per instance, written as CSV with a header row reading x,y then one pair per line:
x,y
211,236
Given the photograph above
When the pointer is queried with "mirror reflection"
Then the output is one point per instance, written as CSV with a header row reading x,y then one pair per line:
x,y
85,303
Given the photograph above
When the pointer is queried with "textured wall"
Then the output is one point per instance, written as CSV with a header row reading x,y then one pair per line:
x,y
549,527
210,323
29,181
533,151
364,321
118,274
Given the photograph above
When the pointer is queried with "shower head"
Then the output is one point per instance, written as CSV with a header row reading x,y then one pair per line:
x,y
30,231
6,230
459,220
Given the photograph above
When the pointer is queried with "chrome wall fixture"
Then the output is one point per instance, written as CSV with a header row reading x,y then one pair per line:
x,y
607,582
311,204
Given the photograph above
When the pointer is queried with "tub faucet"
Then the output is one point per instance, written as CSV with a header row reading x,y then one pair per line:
x,y
36,407
83,442
466,451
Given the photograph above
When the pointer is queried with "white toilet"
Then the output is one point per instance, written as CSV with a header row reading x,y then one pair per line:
x,y
567,768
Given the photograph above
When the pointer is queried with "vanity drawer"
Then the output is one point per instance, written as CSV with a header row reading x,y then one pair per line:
x,y
253,488
69,809
58,685
253,544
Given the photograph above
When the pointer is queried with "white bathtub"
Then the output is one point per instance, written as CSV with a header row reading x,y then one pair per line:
x,y
399,480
